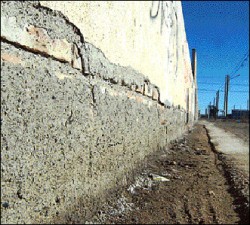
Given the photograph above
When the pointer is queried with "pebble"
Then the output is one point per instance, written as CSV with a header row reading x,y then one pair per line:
x,y
211,193
5,204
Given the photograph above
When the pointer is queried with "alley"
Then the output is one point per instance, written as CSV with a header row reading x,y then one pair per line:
x,y
184,184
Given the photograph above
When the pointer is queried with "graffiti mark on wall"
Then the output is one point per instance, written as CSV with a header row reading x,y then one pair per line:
x,y
164,11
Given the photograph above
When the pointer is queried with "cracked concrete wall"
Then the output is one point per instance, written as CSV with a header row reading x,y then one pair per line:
x,y
73,124
148,36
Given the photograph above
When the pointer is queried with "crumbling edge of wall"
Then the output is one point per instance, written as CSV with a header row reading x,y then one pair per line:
x,y
57,39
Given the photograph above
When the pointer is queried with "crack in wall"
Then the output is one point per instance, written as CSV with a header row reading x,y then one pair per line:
x,y
83,54
32,50
104,116
82,49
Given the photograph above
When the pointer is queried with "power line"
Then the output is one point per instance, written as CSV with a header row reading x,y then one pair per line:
x,y
236,69
240,64
222,91
220,83
228,78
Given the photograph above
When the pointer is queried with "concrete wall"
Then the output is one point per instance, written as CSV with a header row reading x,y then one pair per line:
x,y
148,36
73,123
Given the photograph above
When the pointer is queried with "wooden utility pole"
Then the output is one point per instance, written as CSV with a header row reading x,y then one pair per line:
x,y
226,95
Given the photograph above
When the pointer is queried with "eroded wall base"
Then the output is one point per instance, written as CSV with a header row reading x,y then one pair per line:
x,y
72,126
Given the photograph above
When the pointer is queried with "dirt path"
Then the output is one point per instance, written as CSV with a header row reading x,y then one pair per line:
x,y
194,191
229,144
239,129
233,152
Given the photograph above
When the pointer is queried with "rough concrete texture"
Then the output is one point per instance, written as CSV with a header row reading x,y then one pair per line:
x,y
69,133
41,30
149,36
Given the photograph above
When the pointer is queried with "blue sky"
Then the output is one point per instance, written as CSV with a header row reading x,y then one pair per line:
x,y
219,31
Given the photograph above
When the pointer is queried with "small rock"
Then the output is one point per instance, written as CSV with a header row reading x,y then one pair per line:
x,y
211,193
5,204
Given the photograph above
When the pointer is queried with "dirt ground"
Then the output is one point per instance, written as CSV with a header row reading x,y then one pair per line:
x,y
186,183
237,127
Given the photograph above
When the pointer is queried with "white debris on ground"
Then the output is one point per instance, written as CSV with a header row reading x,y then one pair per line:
x,y
156,177
146,181
142,181
122,206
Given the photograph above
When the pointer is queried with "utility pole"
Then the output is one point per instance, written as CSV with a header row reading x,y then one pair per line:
x,y
248,104
194,70
209,109
208,112
225,98
228,78
226,95
217,102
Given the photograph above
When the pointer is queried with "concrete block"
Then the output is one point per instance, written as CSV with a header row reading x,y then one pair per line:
x,y
76,60
155,94
36,39
140,89
148,89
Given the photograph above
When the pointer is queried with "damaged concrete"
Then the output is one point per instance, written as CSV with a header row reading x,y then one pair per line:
x,y
73,124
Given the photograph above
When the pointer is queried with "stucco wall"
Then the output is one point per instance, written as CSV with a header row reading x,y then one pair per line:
x,y
149,36
73,123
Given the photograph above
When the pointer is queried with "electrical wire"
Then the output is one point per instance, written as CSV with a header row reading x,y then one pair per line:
x,y
236,69
240,64
220,83
222,91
